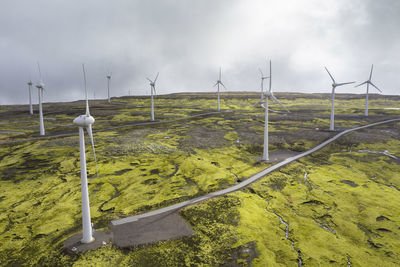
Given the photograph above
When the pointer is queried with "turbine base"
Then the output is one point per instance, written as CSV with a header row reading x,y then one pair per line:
x,y
74,244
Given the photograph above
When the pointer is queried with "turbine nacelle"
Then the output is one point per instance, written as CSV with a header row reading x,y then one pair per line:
x,y
30,83
108,77
83,120
40,85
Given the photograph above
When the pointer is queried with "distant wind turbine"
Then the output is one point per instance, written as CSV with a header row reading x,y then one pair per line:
x,y
30,97
262,83
268,94
108,86
334,85
219,82
40,87
85,121
368,82
153,91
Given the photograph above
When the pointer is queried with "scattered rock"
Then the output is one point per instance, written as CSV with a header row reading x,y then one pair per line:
x,y
243,255
154,171
313,201
382,218
150,181
120,172
383,230
348,182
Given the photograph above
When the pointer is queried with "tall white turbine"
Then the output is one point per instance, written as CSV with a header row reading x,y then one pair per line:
x,y
368,82
108,86
153,92
219,82
85,121
40,87
30,97
262,84
334,85
268,94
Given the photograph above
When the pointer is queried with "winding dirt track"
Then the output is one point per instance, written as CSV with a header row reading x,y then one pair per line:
x,y
247,181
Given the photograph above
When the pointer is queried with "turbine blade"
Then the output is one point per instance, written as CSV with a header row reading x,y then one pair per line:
x,y
149,80
156,77
215,84
258,102
40,73
223,86
370,75
89,130
375,87
262,75
330,75
270,75
340,84
361,84
277,101
219,73
86,94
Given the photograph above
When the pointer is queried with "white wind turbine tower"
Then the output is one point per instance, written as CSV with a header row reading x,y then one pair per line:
x,y
85,121
40,87
153,92
219,82
334,85
30,97
262,83
268,94
368,82
108,86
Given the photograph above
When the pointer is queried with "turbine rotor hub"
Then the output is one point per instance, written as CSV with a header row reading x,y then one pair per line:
x,y
40,85
83,120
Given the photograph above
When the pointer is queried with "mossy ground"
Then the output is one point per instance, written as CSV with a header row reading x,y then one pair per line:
x,y
344,208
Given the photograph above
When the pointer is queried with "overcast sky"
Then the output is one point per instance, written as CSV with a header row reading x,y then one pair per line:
x,y
187,42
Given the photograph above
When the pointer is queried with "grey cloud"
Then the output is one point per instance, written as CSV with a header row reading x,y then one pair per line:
x,y
187,41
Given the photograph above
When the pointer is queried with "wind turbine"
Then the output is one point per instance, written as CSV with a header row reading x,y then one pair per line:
x,y
334,85
85,121
219,82
262,83
153,88
108,86
368,82
30,97
268,94
40,87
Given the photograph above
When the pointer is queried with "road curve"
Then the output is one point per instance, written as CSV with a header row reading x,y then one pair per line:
x,y
246,182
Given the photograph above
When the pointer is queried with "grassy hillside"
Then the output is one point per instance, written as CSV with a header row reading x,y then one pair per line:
x,y
336,206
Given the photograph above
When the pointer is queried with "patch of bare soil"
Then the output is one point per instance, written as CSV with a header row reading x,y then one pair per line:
x,y
200,137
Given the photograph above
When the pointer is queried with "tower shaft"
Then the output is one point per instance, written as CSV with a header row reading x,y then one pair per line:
x,y
87,235
332,122
42,132
265,149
